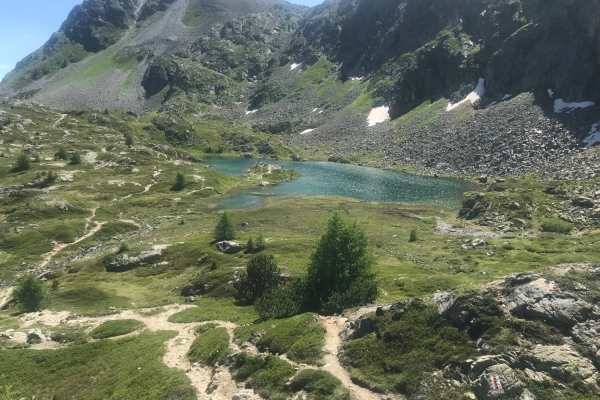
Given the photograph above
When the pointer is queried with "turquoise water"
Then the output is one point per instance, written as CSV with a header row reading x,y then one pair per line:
x,y
332,179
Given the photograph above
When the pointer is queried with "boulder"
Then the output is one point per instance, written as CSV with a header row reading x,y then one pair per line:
x,y
229,247
190,299
544,300
588,334
195,289
498,382
125,263
246,394
562,363
584,202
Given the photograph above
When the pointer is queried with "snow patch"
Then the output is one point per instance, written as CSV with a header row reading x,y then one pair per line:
x,y
378,115
560,105
491,104
340,66
315,110
294,66
472,97
594,136
306,131
356,78
251,112
506,96
550,92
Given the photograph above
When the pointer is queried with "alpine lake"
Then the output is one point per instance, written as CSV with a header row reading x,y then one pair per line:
x,y
346,180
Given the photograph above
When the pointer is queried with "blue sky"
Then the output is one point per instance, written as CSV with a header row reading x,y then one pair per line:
x,y
25,25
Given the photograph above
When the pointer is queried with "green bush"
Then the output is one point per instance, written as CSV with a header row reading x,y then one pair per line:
x,y
413,236
225,230
260,243
320,385
29,293
75,158
556,226
124,247
269,381
210,347
180,182
129,140
283,302
261,276
116,328
300,337
61,154
250,246
23,162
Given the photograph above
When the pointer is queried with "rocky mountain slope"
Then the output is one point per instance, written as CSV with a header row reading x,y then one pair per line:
x,y
516,81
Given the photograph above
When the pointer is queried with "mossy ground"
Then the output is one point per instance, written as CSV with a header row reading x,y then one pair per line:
x,y
108,369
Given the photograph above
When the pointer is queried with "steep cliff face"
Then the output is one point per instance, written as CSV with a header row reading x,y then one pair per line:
x,y
421,49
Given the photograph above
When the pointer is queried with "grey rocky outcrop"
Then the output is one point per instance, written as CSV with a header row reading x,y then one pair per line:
x,y
229,247
544,300
123,262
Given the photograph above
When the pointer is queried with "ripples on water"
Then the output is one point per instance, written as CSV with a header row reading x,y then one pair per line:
x,y
332,179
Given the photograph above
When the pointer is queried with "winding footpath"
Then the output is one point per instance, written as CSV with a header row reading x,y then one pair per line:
x,y
211,383
60,246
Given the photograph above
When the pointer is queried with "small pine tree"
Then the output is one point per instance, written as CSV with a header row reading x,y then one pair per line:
x,y
128,140
413,236
123,247
225,230
29,293
75,159
250,246
180,182
341,260
260,243
23,162
61,154
55,285
261,276
51,177
214,266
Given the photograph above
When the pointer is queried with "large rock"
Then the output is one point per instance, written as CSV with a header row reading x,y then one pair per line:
x,y
229,247
124,262
562,363
498,382
544,300
584,202
588,334
195,289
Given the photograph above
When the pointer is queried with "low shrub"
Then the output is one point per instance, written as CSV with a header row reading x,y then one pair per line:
x,y
319,385
116,328
556,226
210,347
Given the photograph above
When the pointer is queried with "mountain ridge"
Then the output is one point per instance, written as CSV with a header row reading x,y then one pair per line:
x,y
313,75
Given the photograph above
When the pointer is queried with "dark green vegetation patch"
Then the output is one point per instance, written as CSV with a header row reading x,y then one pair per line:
x,y
301,337
404,348
210,347
116,328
